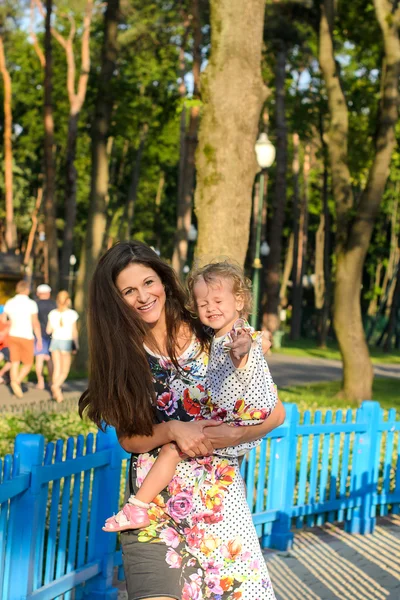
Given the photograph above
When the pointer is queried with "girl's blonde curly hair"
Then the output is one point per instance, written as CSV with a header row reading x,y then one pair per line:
x,y
211,273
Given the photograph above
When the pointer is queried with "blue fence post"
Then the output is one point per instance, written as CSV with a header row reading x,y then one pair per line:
x,y
104,503
281,488
364,474
24,516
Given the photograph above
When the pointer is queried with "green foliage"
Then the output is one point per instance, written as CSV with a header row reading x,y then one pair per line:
x,y
326,395
52,425
307,348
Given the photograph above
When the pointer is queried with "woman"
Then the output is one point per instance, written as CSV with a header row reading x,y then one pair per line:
x,y
199,548
61,325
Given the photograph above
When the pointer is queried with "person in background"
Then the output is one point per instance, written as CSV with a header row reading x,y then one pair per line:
x,y
45,305
22,312
4,350
61,325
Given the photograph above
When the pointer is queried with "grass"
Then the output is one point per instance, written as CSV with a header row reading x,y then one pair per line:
x,y
307,348
324,395
53,425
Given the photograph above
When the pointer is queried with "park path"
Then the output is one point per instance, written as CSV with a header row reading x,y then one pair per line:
x,y
286,371
328,564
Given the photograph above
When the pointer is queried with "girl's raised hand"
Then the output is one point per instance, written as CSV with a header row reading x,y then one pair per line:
x,y
241,343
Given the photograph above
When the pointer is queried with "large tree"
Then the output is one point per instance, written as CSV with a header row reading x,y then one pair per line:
x,y
233,94
97,220
11,233
49,203
76,97
354,223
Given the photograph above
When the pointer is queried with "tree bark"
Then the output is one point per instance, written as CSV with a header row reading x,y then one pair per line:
x,y
76,100
233,92
394,310
352,238
184,219
188,147
273,270
323,275
11,232
133,186
287,269
49,202
300,227
99,174
32,233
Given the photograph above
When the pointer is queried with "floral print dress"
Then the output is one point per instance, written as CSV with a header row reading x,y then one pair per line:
x,y
201,543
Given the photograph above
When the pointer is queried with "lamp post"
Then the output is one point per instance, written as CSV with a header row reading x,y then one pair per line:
x,y
192,237
265,152
72,263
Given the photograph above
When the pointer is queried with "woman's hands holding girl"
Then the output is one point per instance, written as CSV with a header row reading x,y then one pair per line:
x,y
190,436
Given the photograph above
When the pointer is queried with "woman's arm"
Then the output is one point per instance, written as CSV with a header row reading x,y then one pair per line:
x,y
226,435
49,329
189,436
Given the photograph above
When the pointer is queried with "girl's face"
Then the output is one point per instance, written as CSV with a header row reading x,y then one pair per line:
x,y
217,305
143,290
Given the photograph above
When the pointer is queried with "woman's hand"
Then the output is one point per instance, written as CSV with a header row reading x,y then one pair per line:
x,y
190,436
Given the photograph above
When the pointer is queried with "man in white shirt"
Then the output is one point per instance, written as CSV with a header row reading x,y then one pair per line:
x,y
22,312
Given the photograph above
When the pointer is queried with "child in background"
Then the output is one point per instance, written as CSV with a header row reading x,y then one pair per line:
x,y
240,391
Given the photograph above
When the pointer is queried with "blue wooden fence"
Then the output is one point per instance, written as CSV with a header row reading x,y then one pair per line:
x,y
55,498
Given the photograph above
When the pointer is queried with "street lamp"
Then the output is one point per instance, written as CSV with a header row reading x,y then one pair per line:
x,y
192,233
72,263
265,152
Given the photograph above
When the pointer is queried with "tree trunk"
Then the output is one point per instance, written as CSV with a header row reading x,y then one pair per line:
x,y
300,253
394,310
233,93
157,212
375,284
188,147
76,100
287,269
324,308
273,270
184,219
49,203
11,232
352,238
134,184
32,233
99,174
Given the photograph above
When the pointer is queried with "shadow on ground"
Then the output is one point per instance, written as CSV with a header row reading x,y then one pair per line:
x,y
328,564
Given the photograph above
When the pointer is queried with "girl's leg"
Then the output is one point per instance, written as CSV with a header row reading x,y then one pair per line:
x,y
65,367
56,357
5,368
160,474
134,514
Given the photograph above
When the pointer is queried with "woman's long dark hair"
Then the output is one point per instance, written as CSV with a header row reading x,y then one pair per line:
x,y
120,388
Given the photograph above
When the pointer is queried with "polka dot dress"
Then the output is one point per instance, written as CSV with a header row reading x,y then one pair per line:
x,y
202,522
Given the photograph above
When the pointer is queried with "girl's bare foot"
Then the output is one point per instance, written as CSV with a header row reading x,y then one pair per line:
x,y
57,393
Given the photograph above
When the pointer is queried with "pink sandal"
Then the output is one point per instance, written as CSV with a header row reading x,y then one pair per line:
x,y
130,517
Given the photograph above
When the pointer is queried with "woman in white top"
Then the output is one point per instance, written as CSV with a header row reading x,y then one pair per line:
x,y
61,325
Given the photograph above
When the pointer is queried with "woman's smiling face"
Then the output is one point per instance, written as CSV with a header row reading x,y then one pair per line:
x,y
142,288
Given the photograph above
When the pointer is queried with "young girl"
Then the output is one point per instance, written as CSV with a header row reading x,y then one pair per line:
x,y
240,390
61,325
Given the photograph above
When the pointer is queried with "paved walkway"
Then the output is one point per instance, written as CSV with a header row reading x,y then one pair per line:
x,y
294,370
328,564
286,371
32,396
